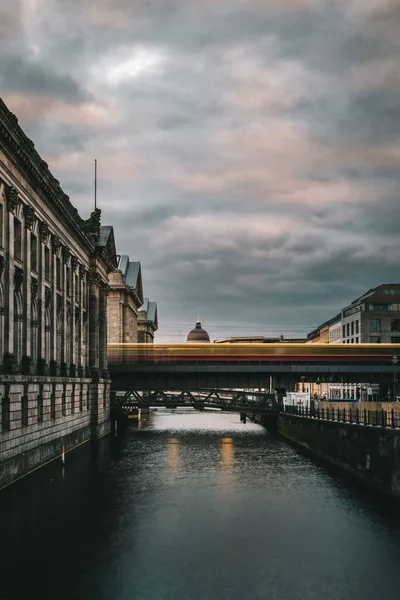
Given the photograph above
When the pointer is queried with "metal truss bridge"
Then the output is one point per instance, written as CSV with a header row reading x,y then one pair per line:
x,y
226,400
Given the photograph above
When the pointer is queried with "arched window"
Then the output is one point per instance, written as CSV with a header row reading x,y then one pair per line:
x,y
34,332
18,324
395,326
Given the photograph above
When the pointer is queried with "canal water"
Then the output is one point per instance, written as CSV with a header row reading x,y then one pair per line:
x,y
196,506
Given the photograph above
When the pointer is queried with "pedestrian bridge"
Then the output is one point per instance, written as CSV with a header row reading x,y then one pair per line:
x,y
213,366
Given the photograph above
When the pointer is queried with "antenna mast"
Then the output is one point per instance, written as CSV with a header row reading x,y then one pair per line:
x,y
95,183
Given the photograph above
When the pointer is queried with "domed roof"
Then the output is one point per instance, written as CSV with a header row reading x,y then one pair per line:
x,y
198,334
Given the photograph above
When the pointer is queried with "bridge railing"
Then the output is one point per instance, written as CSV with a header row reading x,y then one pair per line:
x,y
356,416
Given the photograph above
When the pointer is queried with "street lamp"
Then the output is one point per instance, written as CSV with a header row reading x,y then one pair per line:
x,y
395,360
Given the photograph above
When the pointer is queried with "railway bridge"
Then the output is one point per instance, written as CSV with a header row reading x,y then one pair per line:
x,y
195,367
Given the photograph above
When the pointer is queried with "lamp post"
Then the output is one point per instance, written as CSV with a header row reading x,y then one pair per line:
x,y
395,360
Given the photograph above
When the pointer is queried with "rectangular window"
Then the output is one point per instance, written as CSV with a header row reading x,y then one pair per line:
x,y
63,403
34,266
357,340
352,340
76,288
73,400
5,413
40,408
24,410
378,307
87,399
58,274
53,405
374,339
343,330
1,223
352,328
357,326
395,340
348,329
80,398
68,281
17,239
47,263
375,325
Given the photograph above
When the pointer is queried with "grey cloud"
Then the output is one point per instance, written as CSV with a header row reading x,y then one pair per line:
x,y
21,75
172,121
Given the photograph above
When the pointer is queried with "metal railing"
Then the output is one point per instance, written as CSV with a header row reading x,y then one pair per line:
x,y
356,416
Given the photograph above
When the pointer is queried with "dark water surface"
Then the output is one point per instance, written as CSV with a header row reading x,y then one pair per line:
x,y
196,506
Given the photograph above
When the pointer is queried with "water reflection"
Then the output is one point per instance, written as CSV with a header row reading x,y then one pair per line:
x,y
226,453
173,454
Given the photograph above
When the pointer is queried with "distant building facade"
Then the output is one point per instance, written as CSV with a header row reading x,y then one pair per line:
x,y
54,384
373,318
147,322
125,299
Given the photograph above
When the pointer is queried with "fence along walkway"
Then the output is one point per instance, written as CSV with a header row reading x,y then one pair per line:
x,y
355,416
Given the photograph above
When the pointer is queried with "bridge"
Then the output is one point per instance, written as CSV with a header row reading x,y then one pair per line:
x,y
226,400
136,367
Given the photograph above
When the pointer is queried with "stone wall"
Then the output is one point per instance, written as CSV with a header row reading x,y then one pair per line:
x,y
370,453
38,416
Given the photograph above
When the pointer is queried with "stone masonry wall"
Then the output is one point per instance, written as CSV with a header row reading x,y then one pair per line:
x,y
370,453
37,417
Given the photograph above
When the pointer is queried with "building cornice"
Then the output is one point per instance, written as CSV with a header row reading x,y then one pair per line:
x,y
21,152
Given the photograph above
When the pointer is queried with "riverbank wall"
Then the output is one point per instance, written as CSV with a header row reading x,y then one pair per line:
x,y
370,453
39,417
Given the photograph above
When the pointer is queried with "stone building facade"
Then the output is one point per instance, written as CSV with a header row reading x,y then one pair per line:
x,y
54,266
124,301
147,322
373,318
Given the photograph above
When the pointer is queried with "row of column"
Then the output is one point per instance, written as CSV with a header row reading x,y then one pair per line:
x,y
67,342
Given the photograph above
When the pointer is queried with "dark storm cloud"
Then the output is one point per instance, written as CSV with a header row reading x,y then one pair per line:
x,y
21,75
248,152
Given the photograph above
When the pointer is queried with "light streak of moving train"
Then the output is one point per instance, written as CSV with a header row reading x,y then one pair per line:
x,y
332,353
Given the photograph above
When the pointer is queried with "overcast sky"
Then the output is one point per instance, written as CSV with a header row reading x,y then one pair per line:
x,y
248,152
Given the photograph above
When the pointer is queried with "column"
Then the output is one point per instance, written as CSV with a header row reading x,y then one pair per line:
x,y
103,330
10,207
80,359
93,318
64,366
74,320
54,366
27,365
42,238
